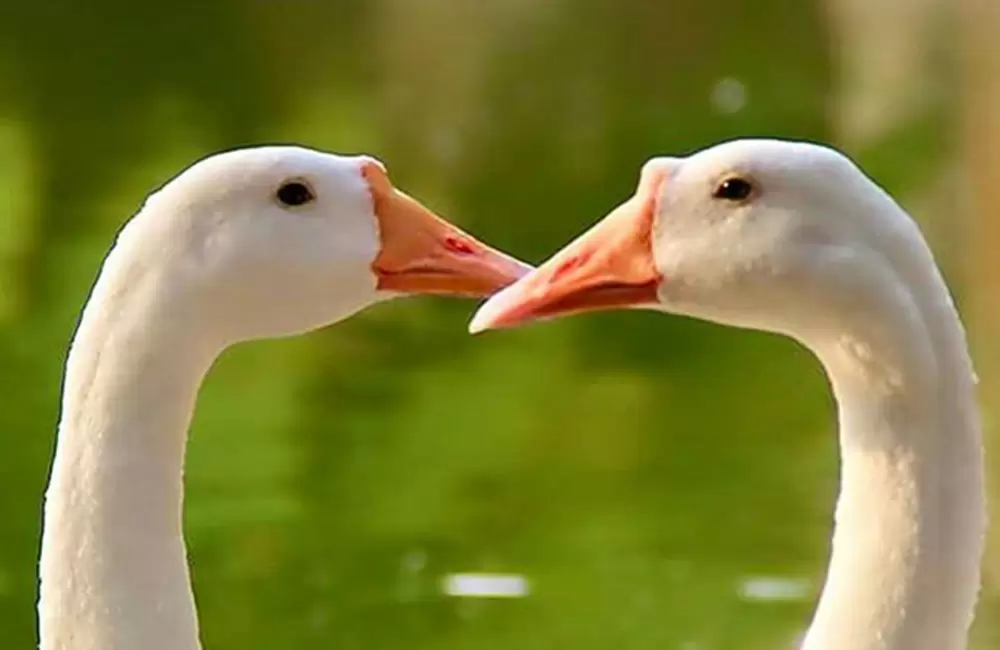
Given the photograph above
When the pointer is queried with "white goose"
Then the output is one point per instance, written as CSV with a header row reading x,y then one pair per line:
x,y
793,238
255,243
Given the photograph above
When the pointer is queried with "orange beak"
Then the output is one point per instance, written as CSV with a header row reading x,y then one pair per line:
x,y
610,266
422,253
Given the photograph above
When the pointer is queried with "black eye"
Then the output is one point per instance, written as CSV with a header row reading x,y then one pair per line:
x,y
733,189
294,193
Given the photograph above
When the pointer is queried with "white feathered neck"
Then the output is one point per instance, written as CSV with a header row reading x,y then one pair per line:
x,y
114,570
911,517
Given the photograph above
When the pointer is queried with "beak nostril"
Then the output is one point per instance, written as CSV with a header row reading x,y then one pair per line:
x,y
458,245
569,265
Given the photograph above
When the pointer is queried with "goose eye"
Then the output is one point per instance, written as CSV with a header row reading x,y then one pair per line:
x,y
733,189
294,193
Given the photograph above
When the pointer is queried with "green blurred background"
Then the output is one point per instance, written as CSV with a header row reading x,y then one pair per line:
x,y
644,473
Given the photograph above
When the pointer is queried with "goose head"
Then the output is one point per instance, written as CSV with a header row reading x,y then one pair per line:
x,y
773,235
274,241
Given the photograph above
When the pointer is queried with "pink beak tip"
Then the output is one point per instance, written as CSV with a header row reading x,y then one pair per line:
x,y
494,313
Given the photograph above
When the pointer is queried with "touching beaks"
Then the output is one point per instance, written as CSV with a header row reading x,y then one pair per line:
x,y
610,266
423,253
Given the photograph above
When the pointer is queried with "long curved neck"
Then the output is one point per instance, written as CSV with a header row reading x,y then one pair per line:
x,y
910,519
113,568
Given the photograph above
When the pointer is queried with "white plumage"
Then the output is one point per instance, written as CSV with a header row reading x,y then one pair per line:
x,y
794,238
248,244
